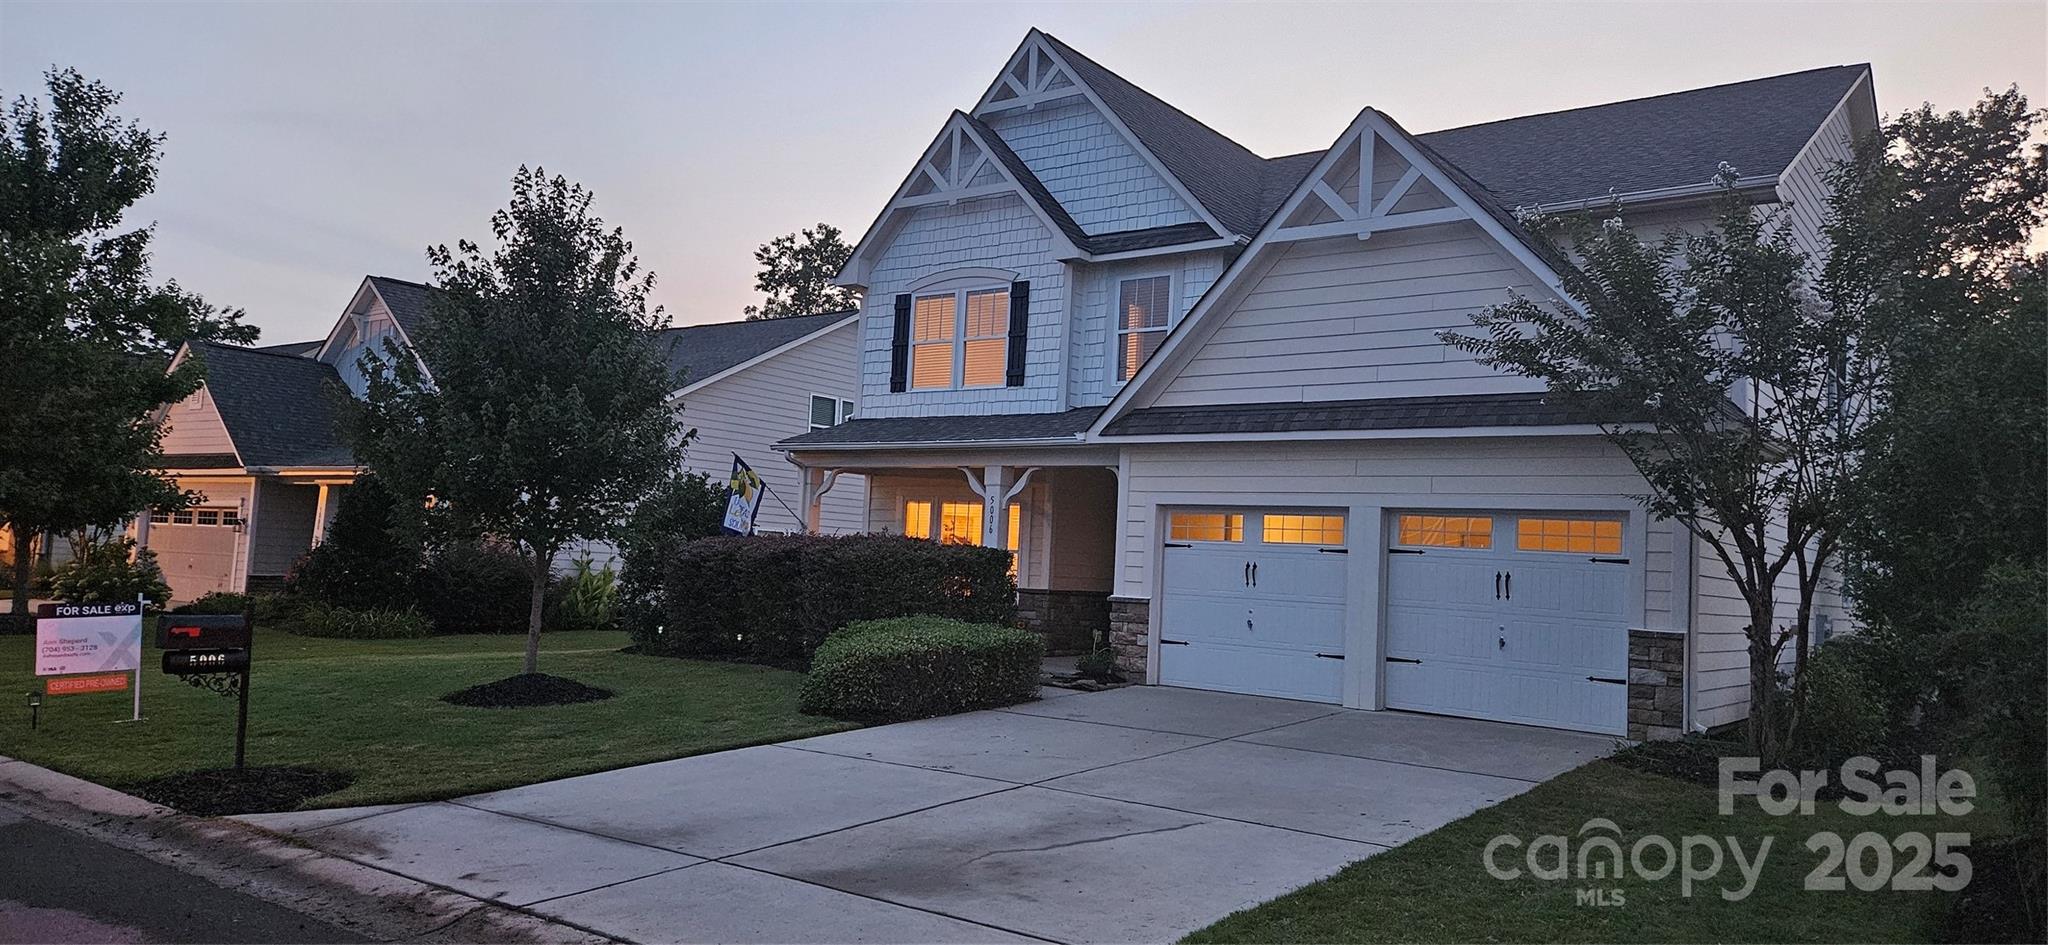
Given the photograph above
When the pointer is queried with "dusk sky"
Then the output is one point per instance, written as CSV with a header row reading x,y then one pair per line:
x,y
311,144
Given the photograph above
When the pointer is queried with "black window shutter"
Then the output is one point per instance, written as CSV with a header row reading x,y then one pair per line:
x,y
899,347
1020,321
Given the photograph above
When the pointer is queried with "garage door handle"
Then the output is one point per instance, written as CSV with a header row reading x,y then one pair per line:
x,y
1401,659
1247,574
1334,551
1511,585
1255,574
1607,679
1405,551
1496,585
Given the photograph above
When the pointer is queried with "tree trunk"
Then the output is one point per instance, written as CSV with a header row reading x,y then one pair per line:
x,y
1764,738
541,561
24,569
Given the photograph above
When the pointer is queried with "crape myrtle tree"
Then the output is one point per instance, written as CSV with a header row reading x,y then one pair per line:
x,y
537,410
1663,333
796,274
85,332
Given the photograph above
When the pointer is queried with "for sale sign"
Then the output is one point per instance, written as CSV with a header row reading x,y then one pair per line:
x,y
88,638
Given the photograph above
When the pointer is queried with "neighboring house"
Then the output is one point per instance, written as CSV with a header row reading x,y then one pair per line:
x,y
1201,392
258,440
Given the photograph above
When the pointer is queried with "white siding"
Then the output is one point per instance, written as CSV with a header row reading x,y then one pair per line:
x,y
1001,233
348,351
752,410
1092,357
1721,647
1090,168
1498,474
1345,319
1803,188
193,425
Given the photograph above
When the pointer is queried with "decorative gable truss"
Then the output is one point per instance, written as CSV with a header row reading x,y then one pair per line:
x,y
1376,177
959,165
1034,77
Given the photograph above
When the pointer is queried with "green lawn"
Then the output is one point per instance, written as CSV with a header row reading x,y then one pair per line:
x,y
373,708
1436,889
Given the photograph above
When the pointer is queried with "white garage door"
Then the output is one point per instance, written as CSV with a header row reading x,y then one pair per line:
x,y
1254,602
196,549
1516,617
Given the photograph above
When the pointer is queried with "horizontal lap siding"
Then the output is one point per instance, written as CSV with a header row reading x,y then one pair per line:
x,y
1000,233
193,425
1335,473
1721,647
1344,319
750,411
1090,168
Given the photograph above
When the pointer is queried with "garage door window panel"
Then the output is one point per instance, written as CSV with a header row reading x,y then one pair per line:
x,y
1445,531
1206,526
1301,529
1572,535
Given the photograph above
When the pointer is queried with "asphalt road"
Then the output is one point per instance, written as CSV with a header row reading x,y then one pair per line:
x,y
60,886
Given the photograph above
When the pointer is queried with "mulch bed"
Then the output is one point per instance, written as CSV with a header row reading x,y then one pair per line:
x,y
222,791
525,690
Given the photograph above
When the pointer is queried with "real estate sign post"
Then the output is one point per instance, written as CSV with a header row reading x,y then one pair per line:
x,y
90,647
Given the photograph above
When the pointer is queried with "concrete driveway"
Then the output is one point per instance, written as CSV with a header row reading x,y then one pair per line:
x,y
1135,815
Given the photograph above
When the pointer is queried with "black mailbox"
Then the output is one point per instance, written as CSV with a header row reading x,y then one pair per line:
x,y
201,632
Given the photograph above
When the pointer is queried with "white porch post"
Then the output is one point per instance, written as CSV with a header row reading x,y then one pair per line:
x,y
320,516
995,518
816,482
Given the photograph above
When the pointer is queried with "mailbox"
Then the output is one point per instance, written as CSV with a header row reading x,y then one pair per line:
x,y
201,632
195,662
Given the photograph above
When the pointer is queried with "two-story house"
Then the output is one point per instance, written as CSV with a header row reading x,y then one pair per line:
x,y
1201,393
258,441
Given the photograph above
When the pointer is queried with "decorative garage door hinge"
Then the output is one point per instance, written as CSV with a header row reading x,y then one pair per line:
x,y
1401,659
1608,679
1404,551
1608,560
1165,642
1329,656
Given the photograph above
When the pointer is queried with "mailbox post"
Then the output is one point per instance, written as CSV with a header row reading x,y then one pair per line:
x,y
212,651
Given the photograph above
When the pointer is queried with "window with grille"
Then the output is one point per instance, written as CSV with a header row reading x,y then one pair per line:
x,y
1143,307
1445,531
985,340
1205,526
1598,536
960,523
960,339
931,341
211,518
1302,529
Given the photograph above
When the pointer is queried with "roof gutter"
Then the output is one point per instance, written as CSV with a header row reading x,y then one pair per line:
x,y
1075,439
1762,189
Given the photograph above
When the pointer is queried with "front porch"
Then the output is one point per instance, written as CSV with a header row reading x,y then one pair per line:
x,y
1054,510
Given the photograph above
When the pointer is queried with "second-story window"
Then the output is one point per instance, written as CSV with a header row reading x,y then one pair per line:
x,y
1143,306
960,339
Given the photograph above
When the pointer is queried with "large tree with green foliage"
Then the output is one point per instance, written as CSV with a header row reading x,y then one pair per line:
x,y
85,333
797,271
537,410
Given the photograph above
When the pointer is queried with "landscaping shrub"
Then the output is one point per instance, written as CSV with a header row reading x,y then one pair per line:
x,y
1844,715
215,602
686,507
474,587
364,561
774,599
349,623
586,598
103,572
918,667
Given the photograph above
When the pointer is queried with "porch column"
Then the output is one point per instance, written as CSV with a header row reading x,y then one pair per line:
x,y
320,516
997,485
816,482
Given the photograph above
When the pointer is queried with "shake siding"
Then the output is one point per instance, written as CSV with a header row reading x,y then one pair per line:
x,y
1092,359
1091,169
193,425
1344,319
748,412
1506,474
284,526
1001,233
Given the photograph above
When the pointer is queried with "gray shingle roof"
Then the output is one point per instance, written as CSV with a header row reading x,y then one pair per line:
x,y
300,348
279,409
696,352
1557,157
1392,413
951,429
406,300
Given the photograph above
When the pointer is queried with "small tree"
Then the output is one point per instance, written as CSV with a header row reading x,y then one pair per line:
x,y
1668,331
797,271
541,414
85,337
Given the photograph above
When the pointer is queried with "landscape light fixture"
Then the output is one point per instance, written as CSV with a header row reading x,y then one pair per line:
x,y
35,709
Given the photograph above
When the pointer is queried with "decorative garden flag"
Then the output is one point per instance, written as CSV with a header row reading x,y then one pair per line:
x,y
746,488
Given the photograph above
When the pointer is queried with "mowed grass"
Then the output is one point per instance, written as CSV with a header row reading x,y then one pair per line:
x,y
1436,888
373,708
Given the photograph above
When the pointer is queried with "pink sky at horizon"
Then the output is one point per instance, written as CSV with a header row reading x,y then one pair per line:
x,y
313,143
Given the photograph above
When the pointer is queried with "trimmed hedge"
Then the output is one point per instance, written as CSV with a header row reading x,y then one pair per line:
x,y
918,667
215,602
775,598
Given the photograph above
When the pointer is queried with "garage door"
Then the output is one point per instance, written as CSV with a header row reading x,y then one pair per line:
x,y
1254,602
196,549
1515,617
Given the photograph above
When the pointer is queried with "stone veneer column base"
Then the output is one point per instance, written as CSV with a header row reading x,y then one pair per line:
x,y
1130,635
1070,621
1656,685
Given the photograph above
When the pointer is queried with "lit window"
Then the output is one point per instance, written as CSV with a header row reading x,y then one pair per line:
x,y
986,341
1446,531
1205,526
1597,536
960,523
931,342
1302,529
1016,528
917,519
1142,306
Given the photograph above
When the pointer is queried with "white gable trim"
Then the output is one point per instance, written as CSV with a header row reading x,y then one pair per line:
x,y
786,346
950,186
349,316
1367,128
1034,41
1862,82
